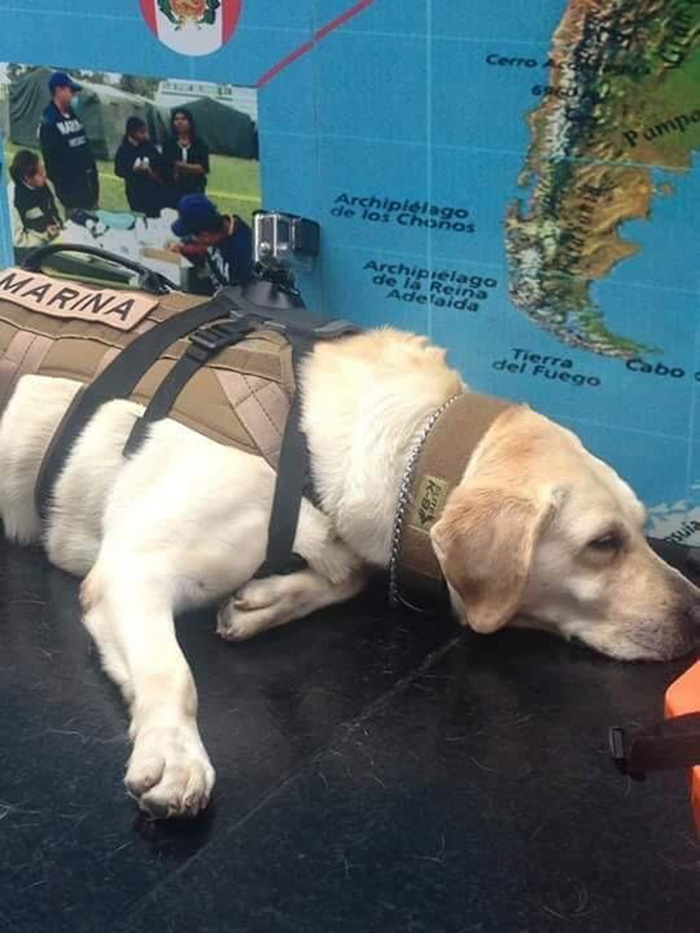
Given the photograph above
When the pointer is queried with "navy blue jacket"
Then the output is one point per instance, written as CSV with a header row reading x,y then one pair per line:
x,y
231,261
69,161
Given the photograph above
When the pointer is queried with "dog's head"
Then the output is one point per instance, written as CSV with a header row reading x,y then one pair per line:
x,y
541,534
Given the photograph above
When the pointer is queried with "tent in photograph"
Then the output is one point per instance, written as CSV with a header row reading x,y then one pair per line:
x,y
102,108
224,129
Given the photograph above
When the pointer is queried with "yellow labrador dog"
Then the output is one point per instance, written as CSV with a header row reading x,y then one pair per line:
x,y
539,533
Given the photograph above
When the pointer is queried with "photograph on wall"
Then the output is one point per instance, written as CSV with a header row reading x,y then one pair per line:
x,y
163,172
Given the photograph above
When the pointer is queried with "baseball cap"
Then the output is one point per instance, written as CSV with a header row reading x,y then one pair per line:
x,y
197,214
61,79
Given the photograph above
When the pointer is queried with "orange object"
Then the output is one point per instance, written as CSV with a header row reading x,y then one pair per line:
x,y
683,696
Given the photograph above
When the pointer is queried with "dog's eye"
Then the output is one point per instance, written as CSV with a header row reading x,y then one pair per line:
x,y
609,542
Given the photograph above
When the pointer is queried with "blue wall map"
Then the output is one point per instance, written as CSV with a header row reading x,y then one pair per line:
x,y
518,181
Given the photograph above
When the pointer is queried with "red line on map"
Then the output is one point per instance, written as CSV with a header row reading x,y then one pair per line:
x,y
287,60
342,19
316,38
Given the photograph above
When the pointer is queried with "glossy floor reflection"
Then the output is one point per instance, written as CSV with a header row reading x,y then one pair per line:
x,y
376,772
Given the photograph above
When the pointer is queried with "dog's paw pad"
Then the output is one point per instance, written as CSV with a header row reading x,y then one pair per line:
x,y
169,773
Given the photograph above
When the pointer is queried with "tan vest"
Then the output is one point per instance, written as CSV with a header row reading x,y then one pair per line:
x,y
54,327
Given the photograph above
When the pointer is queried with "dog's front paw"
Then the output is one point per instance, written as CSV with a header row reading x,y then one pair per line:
x,y
259,605
169,773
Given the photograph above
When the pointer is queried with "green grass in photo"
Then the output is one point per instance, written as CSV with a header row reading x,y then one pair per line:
x,y
233,184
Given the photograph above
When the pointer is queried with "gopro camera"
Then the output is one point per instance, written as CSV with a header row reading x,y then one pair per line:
x,y
284,239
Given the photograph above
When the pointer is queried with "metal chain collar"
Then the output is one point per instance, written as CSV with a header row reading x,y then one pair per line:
x,y
404,500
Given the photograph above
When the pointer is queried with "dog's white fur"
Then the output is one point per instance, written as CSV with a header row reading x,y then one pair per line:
x,y
184,523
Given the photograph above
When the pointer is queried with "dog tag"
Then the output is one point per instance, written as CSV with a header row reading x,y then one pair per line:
x,y
429,503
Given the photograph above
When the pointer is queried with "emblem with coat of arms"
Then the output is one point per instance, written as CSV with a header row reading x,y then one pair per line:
x,y
192,27
198,12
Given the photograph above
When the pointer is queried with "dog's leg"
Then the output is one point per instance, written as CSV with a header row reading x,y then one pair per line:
x,y
129,598
334,575
185,525
273,601
95,621
129,613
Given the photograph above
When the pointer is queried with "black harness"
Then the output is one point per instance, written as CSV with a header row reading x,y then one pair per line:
x,y
226,319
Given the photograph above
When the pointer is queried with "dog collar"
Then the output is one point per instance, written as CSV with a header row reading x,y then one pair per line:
x,y
435,465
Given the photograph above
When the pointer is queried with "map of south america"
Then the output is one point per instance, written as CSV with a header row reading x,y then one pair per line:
x,y
623,99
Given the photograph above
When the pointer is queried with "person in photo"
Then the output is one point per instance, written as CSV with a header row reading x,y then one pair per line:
x,y
186,157
36,219
140,164
225,242
66,150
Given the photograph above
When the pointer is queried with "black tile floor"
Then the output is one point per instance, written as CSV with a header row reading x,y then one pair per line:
x,y
376,772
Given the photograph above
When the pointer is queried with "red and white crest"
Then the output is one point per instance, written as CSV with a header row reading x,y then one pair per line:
x,y
192,27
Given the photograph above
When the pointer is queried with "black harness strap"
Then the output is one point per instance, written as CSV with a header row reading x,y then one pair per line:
x,y
673,743
118,380
204,344
293,482
294,454
293,478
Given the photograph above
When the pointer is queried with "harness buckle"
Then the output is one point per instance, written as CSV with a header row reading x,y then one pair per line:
x,y
210,340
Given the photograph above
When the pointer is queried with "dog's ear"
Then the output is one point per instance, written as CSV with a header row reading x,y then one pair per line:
x,y
485,541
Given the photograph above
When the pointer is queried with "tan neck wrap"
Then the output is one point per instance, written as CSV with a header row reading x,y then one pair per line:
x,y
442,459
